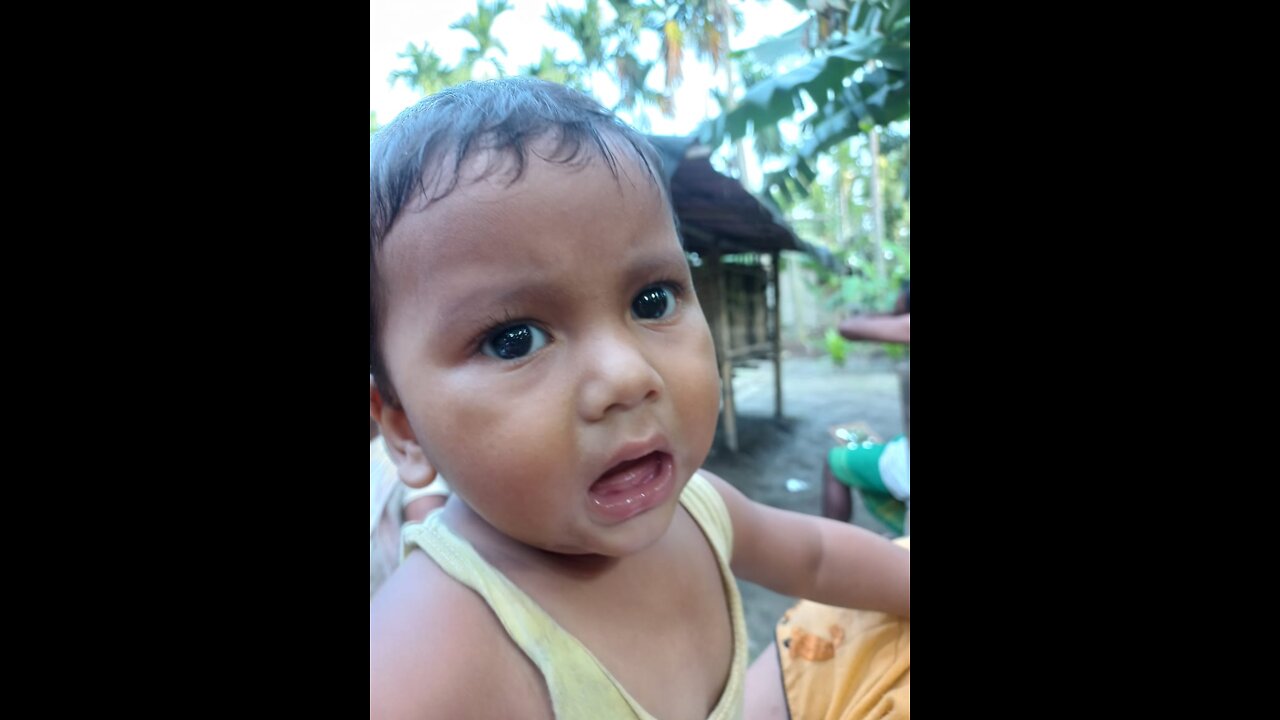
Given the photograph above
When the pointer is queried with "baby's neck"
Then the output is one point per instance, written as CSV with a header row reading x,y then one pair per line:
x,y
511,555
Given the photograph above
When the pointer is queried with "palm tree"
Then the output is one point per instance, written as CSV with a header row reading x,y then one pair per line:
x,y
706,26
703,24
549,68
611,50
480,27
584,28
427,73
631,77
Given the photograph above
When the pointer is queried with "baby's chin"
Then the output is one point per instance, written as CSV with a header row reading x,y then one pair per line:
x,y
617,542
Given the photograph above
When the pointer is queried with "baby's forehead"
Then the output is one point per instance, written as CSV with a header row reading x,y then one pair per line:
x,y
497,205
489,174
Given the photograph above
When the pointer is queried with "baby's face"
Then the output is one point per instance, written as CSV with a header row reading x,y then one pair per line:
x,y
550,354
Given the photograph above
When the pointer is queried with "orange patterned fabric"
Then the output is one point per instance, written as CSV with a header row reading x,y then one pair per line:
x,y
841,664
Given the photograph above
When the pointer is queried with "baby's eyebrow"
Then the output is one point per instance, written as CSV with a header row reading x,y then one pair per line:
x,y
655,266
489,302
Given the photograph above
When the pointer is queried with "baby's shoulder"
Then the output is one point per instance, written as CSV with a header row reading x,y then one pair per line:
x,y
436,649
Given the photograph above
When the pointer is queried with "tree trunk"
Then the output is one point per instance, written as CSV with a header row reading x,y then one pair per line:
x,y
877,203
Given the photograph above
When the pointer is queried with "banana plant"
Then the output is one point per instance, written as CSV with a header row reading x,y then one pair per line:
x,y
858,77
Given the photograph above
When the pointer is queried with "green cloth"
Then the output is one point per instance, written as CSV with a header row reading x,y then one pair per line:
x,y
858,466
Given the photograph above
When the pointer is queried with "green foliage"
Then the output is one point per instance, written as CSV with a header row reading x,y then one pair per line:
x,y
859,77
549,68
426,72
837,346
480,27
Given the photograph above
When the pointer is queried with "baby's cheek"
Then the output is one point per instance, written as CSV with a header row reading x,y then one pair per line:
x,y
699,393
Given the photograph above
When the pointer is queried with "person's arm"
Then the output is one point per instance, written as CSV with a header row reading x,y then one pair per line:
x,y
878,328
811,557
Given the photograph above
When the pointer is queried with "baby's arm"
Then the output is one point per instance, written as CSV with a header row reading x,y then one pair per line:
x,y
806,556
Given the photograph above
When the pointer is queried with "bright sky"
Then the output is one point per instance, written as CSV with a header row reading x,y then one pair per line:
x,y
393,24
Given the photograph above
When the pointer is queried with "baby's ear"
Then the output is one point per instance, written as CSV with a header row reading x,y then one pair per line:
x,y
402,446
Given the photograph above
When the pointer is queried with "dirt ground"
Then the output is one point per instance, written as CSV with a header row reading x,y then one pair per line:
x,y
816,395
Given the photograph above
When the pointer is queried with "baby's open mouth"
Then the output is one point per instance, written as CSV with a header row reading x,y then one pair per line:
x,y
633,486
626,475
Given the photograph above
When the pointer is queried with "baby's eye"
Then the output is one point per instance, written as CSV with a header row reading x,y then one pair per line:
x,y
514,341
654,302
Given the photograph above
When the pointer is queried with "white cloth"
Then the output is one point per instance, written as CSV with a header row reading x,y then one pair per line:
x,y
387,500
895,468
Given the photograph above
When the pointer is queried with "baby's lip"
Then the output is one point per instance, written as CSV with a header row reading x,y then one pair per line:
x,y
632,451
